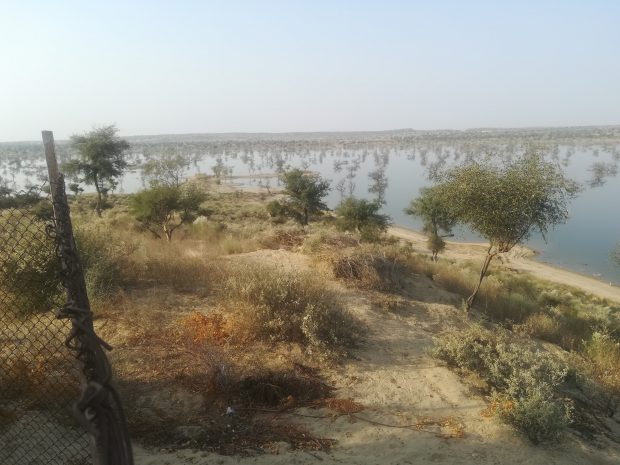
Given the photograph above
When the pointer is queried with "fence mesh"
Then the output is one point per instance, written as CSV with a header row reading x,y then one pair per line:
x,y
39,375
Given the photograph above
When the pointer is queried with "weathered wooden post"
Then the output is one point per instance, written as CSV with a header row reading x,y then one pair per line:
x,y
98,409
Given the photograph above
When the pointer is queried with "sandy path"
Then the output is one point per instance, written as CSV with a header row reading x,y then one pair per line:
x,y
516,260
397,381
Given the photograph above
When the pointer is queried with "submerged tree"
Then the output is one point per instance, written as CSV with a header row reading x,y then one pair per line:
x,y
164,208
168,170
437,218
101,160
305,193
506,204
362,216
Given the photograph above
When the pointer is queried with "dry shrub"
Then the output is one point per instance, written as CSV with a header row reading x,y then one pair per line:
x,y
203,328
325,240
284,239
603,353
542,326
370,267
292,307
174,265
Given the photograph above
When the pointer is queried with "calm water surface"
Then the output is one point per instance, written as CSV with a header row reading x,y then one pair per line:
x,y
584,244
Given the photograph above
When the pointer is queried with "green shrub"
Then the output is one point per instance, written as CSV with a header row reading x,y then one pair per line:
x,y
362,216
538,416
603,353
525,382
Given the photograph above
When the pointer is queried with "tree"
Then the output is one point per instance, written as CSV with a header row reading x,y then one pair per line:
x,y
616,254
437,219
75,188
168,170
507,203
362,216
101,160
305,194
165,208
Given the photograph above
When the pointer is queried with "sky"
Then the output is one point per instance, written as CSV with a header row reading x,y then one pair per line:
x,y
164,67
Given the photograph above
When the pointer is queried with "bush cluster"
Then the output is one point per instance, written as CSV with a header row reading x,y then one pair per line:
x,y
524,381
291,306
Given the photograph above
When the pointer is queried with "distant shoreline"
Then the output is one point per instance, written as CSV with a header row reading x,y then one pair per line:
x,y
519,259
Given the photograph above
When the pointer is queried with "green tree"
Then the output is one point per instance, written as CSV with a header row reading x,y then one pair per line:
x,y
305,193
437,219
75,188
362,216
101,160
164,208
506,203
168,170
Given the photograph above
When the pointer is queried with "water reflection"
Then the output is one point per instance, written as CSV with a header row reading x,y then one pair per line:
x,y
389,167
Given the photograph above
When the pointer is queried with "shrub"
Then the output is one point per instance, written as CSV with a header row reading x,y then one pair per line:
x,y
102,254
294,307
603,353
362,216
29,264
174,266
371,267
525,381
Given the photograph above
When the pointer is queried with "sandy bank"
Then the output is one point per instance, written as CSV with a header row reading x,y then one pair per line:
x,y
519,259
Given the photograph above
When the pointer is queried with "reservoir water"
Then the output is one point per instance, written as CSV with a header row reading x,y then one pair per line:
x,y
393,169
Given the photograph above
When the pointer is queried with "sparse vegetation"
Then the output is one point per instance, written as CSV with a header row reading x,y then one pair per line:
x,y
437,219
304,196
506,204
293,307
164,208
524,383
362,216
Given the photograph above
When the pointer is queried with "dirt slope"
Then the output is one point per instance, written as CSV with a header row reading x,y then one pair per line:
x,y
399,384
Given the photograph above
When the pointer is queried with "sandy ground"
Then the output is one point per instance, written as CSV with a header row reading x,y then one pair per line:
x,y
519,259
393,376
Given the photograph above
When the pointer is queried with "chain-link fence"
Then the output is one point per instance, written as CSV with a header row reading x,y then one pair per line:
x,y
39,375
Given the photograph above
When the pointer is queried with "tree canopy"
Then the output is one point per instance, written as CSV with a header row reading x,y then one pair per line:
x,y
437,219
101,160
164,208
362,216
305,193
168,170
506,203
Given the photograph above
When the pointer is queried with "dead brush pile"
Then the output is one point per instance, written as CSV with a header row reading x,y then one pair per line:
x,y
373,267
288,239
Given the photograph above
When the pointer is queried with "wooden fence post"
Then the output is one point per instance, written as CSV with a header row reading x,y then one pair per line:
x,y
98,409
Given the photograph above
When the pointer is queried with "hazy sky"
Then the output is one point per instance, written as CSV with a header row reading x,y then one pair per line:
x,y
222,66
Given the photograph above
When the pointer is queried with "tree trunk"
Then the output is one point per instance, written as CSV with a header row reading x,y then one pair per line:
x,y
98,206
168,233
305,216
487,261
